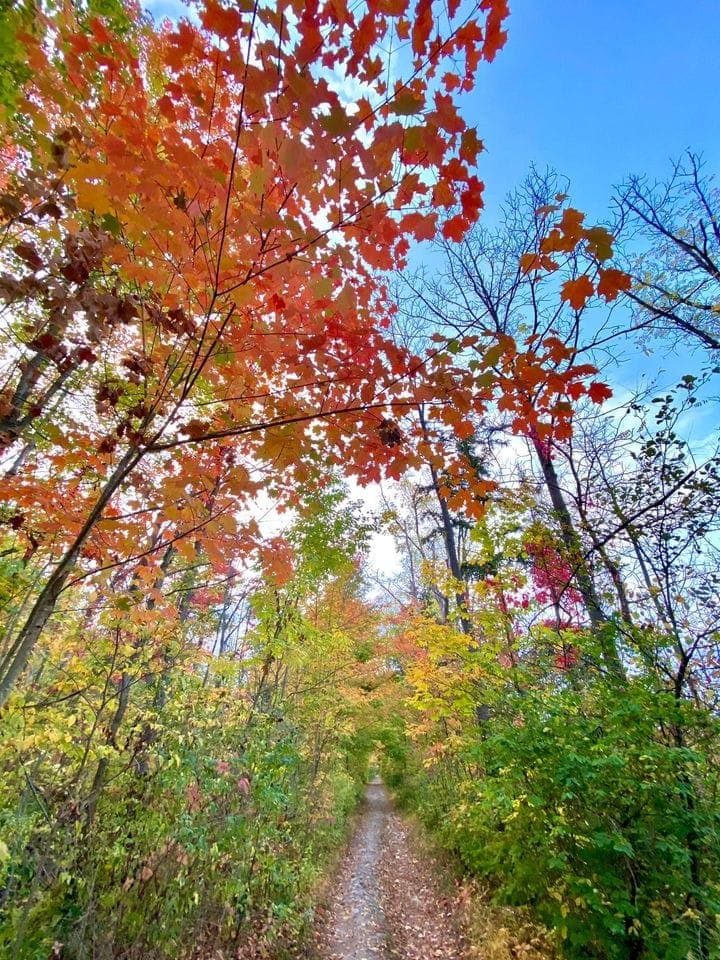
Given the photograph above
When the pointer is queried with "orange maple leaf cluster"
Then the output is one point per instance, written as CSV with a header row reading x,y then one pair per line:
x,y
567,235
197,218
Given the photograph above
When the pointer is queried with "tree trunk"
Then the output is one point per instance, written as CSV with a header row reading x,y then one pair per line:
x,y
17,657
103,764
449,540
583,578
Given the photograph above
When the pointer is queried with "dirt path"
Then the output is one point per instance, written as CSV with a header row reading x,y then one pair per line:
x,y
386,904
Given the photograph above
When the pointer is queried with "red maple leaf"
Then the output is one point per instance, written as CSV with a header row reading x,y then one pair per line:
x,y
598,392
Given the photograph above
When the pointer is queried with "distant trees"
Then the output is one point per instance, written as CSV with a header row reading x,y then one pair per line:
x,y
167,781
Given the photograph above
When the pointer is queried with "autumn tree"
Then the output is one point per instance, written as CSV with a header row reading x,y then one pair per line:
x,y
525,741
195,215
519,298
204,815
644,492
587,580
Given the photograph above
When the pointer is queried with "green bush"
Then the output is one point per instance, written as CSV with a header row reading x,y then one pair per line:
x,y
212,825
588,807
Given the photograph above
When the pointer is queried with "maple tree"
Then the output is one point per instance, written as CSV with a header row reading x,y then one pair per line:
x,y
515,303
195,215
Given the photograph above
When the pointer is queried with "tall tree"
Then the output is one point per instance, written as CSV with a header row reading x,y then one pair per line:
x,y
518,296
193,224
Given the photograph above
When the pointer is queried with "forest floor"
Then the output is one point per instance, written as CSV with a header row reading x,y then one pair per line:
x,y
387,902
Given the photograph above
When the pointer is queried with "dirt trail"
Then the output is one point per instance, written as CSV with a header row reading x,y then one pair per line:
x,y
386,904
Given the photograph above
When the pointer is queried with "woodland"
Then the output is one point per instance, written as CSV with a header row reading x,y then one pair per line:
x,y
244,280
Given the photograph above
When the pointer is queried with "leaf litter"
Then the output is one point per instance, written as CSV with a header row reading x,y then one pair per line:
x,y
387,902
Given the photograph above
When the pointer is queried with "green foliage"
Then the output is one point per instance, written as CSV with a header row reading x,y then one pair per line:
x,y
14,17
20,16
211,823
587,806
328,536
153,796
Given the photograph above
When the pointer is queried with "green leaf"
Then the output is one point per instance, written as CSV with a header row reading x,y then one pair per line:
x,y
407,104
111,223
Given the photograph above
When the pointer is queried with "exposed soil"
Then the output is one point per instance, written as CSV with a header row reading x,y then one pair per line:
x,y
387,903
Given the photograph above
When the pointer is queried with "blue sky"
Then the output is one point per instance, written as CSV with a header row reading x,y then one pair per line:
x,y
599,89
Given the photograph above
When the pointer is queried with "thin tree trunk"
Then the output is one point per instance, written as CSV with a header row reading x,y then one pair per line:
x,y
103,764
449,539
598,618
14,662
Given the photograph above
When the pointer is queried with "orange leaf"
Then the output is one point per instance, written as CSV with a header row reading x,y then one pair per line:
x,y
464,430
612,282
563,430
495,37
422,26
422,226
471,198
546,209
452,81
557,349
393,8
506,402
446,114
575,390
443,195
470,146
530,261
577,292
455,228
100,31
364,37
572,221
221,21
